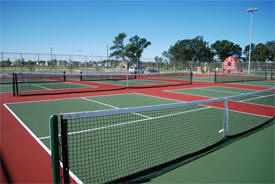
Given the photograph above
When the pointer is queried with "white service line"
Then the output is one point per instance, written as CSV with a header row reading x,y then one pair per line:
x,y
114,107
42,87
219,91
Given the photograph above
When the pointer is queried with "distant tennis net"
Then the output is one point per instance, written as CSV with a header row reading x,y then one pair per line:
x,y
239,77
35,83
116,146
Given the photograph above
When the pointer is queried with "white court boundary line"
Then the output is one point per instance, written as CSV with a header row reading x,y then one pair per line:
x,y
28,130
39,141
66,98
245,101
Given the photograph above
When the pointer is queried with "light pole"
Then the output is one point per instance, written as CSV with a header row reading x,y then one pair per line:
x,y
251,10
51,53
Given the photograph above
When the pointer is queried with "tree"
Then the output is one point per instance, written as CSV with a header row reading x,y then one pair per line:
x,y
195,49
132,50
7,62
181,51
271,49
158,59
118,47
225,48
159,62
253,53
166,55
261,52
135,48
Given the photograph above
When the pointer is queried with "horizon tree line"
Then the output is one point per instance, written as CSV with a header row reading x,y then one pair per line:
x,y
195,49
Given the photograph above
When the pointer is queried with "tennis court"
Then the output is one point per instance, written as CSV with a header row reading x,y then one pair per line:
x,y
122,144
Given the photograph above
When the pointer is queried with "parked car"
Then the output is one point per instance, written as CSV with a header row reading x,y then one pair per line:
x,y
151,70
136,70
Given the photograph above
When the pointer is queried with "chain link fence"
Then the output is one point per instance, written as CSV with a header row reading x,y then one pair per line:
x,y
44,62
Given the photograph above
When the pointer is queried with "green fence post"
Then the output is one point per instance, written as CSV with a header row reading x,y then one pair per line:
x,y
55,148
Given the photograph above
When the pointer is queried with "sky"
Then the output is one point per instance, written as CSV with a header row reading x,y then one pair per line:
x,y
87,27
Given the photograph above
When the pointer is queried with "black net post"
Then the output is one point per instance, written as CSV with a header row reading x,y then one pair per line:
x,y
64,146
55,148
191,77
16,84
81,76
13,84
64,76
215,77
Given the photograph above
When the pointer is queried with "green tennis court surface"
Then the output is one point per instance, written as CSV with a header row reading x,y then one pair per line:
x,y
217,92
164,136
5,88
248,160
50,86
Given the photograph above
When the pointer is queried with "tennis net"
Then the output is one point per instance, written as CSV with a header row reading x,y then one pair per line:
x,y
40,77
36,83
120,145
239,77
29,81
105,76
